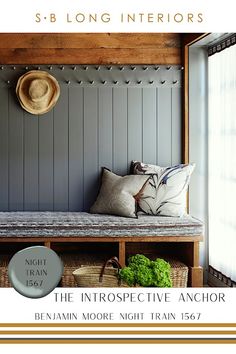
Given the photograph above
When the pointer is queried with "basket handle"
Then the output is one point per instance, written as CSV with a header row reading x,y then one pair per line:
x,y
113,261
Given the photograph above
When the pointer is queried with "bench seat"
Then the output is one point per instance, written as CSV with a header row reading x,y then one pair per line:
x,y
181,236
81,224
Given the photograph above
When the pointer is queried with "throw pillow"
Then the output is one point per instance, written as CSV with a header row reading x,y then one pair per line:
x,y
165,192
117,194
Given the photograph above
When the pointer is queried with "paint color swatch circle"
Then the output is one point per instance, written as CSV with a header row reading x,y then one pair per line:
x,y
35,271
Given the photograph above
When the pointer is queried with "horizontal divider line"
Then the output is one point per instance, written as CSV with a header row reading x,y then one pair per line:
x,y
118,341
118,325
99,332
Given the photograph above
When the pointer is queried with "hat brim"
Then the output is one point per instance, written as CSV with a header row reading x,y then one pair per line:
x,y
22,92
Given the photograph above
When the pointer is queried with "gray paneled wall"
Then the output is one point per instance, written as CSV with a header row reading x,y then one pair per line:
x,y
104,117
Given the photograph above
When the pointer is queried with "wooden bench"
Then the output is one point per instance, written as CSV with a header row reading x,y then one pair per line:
x,y
166,235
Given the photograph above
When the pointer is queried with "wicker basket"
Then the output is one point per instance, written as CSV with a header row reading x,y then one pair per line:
x,y
178,274
4,281
71,263
99,276
67,279
89,276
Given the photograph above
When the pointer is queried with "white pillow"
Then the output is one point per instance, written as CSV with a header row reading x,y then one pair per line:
x,y
165,192
117,194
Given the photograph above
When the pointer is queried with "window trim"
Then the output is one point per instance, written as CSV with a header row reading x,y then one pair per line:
x,y
221,45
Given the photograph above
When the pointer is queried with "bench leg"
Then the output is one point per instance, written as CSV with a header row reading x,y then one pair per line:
x,y
122,253
196,277
47,244
191,259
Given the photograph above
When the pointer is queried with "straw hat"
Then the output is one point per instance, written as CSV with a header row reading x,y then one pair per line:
x,y
37,91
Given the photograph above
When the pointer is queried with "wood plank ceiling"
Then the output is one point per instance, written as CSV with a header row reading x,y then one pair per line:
x,y
90,48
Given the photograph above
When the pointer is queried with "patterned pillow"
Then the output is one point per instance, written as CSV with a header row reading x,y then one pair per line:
x,y
165,192
117,194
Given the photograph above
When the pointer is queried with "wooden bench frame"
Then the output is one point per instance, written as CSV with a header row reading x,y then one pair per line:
x,y
191,248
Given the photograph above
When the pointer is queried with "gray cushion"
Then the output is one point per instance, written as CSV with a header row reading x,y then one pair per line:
x,y
73,224
117,194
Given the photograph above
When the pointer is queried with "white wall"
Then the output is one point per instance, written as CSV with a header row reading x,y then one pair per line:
x,y
198,140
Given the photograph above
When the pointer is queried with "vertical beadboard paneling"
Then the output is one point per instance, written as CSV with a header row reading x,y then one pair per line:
x,y
76,148
105,127
164,142
3,148
31,182
149,125
16,154
53,161
176,137
135,141
46,165
120,159
61,151
90,146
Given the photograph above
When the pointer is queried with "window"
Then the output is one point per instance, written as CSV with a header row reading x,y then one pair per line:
x,y
222,161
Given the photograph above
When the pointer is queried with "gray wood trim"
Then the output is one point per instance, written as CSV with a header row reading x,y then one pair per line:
x,y
120,125
91,169
176,124
60,139
164,141
149,112
46,164
76,149
16,155
31,163
4,164
105,127
134,125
